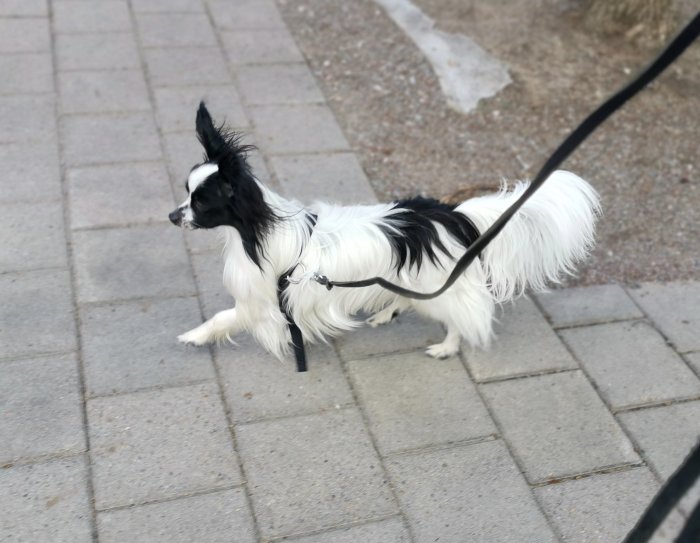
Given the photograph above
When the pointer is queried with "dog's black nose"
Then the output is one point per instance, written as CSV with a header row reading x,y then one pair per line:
x,y
175,217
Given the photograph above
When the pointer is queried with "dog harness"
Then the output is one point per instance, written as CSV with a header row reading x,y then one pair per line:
x,y
294,330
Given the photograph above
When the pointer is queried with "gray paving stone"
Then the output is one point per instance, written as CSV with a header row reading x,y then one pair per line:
x,y
113,51
103,91
675,310
159,444
600,508
407,332
524,344
26,73
80,16
36,8
177,106
40,402
33,243
186,66
297,129
218,517
471,493
666,434
336,177
131,346
46,503
588,305
259,386
36,314
260,171
631,364
41,176
27,118
413,401
312,472
183,151
261,46
124,263
208,273
205,241
278,84
575,432
95,139
167,6
19,35
246,14
175,30
104,195
384,531
694,361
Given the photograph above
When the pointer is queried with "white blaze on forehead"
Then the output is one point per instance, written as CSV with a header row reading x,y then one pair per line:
x,y
199,174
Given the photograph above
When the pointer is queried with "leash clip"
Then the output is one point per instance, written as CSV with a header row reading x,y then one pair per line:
x,y
322,280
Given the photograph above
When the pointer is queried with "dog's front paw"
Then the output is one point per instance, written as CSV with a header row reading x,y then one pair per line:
x,y
198,336
441,351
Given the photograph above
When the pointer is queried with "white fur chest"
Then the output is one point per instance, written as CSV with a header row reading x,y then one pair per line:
x,y
242,278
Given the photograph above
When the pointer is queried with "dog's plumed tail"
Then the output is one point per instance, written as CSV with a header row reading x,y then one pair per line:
x,y
551,232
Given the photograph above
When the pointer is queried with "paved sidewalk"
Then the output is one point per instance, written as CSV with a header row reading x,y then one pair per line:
x,y
110,431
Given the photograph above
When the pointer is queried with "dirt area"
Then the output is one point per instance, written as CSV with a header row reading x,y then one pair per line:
x,y
644,161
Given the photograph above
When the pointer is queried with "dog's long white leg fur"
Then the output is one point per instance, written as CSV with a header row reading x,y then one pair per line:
x,y
221,326
448,347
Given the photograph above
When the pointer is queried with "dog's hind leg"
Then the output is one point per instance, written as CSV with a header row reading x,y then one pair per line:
x,y
388,313
221,326
448,347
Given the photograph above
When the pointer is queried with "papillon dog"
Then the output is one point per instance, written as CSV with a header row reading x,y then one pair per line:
x,y
414,243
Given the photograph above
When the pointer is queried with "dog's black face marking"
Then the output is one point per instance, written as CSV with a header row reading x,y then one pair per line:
x,y
229,196
211,203
413,233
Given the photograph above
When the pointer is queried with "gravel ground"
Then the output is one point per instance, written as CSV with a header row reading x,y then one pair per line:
x,y
644,161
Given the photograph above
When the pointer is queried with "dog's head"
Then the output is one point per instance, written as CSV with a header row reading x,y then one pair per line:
x,y
221,190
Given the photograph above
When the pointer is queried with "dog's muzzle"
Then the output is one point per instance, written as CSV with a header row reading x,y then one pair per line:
x,y
176,217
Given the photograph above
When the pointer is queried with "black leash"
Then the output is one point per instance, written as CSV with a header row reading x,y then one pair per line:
x,y
689,472
568,146
593,121
667,498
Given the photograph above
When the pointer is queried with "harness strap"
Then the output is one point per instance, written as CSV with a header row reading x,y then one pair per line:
x,y
568,146
297,338
294,330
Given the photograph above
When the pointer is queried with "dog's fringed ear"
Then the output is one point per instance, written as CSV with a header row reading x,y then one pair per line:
x,y
209,136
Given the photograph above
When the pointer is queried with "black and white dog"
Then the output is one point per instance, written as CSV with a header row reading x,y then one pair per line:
x,y
413,242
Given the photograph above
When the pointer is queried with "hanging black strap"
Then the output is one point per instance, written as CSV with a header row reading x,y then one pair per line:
x,y
667,498
295,332
593,121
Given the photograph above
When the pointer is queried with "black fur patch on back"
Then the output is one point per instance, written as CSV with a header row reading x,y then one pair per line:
x,y
413,234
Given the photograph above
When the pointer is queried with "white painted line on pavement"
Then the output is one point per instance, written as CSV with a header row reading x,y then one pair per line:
x,y
466,72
